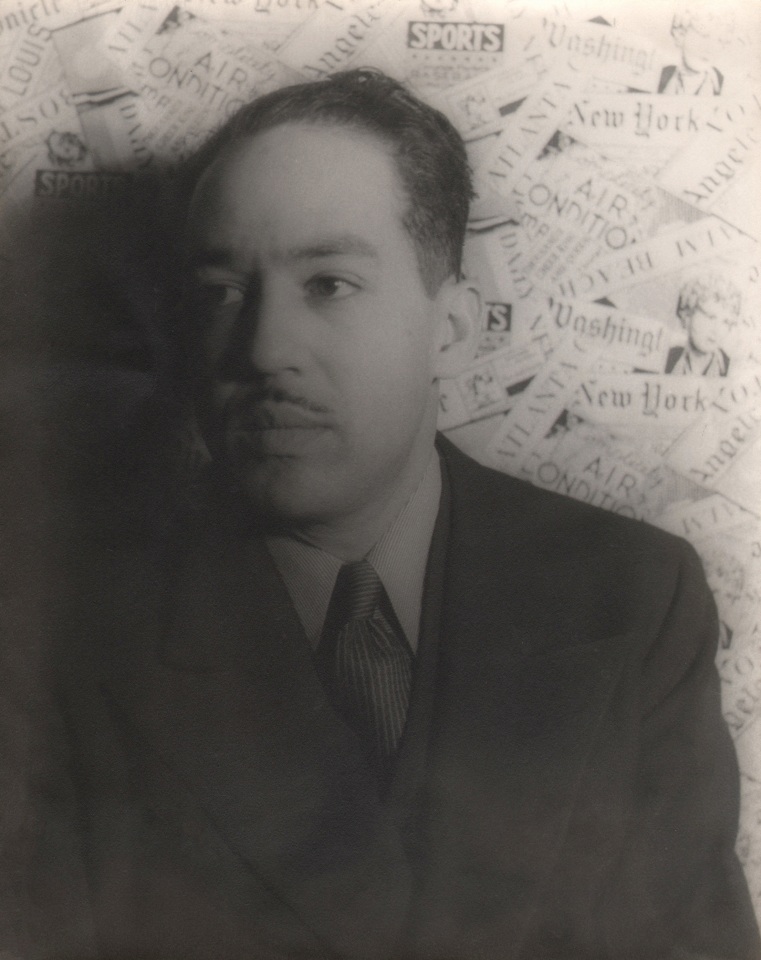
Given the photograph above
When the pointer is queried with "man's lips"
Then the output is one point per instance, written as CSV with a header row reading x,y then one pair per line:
x,y
280,415
280,429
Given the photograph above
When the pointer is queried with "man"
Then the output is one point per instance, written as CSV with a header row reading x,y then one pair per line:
x,y
708,308
370,699
695,32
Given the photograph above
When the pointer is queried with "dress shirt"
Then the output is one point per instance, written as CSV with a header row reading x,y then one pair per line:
x,y
399,558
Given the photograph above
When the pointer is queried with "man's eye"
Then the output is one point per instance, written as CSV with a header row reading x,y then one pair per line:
x,y
330,288
216,296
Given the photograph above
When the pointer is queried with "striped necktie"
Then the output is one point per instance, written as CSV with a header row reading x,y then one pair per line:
x,y
364,660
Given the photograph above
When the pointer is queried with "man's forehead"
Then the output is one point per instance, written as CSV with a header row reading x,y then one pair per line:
x,y
324,188
296,142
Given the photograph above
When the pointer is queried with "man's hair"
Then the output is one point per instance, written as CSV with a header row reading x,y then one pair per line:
x,y
701,290
429,153
716,21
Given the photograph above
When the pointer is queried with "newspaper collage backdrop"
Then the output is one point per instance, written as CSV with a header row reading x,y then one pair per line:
x,y
616,147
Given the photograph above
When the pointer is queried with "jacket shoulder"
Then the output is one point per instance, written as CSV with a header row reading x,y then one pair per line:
x,y
584,572
516,507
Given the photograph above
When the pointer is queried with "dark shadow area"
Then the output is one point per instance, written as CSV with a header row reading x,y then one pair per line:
x,y
90,451
86,339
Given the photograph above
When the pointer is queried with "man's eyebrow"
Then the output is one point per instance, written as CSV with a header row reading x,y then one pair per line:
x,y
348,244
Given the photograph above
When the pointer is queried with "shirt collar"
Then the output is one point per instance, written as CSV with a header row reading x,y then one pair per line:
x,y
399,558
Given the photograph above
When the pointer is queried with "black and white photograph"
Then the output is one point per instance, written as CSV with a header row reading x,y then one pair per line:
x,y
380,424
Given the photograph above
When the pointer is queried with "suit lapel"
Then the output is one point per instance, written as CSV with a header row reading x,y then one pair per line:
x,y
524,675
226,695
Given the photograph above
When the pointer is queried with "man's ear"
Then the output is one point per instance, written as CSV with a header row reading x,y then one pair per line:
x,y
459,327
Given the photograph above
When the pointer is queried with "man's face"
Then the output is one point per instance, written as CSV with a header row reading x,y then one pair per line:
x,y
705,325
319,340
698,44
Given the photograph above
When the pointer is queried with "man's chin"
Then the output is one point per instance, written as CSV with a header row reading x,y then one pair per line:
x,y
287,491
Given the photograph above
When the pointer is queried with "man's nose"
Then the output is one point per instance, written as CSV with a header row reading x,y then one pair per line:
x,y
267,337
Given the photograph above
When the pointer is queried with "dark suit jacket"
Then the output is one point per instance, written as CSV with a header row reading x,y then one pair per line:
x,y
566,787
